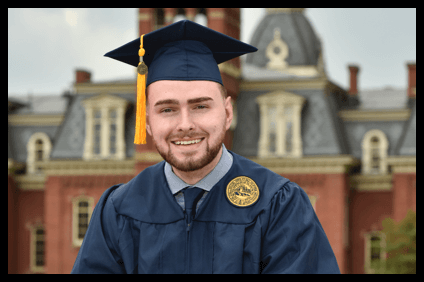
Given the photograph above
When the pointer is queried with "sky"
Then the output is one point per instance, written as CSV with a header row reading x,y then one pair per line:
x,y
46,46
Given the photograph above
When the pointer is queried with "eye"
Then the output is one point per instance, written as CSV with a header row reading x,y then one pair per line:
x,y
201,107
167,110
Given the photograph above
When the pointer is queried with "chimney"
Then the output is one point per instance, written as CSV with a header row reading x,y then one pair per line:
x,y
353,90
82,76
412,79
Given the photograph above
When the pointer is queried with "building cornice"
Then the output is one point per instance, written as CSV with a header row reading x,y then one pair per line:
x,y
372,183
310,164
375,115
319,83
30,181
148,157
403,164
95,167
106,88
35,119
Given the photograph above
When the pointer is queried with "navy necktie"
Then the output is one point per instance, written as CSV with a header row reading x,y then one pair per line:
x,y
191,197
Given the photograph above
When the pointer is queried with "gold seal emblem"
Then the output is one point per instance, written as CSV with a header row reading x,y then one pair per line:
x,y
242,191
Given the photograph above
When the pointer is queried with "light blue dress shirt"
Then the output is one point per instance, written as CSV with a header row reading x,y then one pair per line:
x,y
176,184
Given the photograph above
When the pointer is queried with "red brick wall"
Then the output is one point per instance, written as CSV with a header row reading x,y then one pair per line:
x,y
331,193
12,223
404,194
367,211
59,192
30,211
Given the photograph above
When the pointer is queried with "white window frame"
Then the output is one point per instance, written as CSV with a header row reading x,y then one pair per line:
x,y
34,237
282,100
367,148
368,246
105,103
32,150
76,241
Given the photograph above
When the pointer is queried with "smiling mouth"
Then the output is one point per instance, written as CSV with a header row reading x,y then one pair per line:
x,y
195,141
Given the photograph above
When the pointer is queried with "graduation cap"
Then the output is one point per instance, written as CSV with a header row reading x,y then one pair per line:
x,y
184,50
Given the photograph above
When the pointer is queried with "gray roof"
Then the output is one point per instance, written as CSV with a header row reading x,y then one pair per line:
x,y
296,32
71,136
384,98
46,104
408,142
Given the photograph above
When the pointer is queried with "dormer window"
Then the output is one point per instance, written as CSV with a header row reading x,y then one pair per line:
x,y
38,148
105,126
280,113
374,152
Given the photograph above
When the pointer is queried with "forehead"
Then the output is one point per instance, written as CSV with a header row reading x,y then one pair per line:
x,y
182,90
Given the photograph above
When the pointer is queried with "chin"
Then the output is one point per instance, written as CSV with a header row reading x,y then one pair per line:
x,y
190,161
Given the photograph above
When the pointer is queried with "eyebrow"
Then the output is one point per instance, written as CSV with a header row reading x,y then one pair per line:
x,y
176,102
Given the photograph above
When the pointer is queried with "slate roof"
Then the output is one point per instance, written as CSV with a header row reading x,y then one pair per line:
x,y
68,138
295,30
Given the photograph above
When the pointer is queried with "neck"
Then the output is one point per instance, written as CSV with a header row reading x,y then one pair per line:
x,y
192,177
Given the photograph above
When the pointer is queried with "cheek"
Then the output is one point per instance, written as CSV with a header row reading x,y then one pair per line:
x,y
160,129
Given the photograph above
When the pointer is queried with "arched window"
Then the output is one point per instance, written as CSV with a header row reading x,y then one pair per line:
x,y
374,152
38,151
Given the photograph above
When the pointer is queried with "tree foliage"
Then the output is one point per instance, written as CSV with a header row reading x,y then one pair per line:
x,y
401,245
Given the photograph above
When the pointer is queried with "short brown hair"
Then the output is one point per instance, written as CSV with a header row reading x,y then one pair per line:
x,y
223,91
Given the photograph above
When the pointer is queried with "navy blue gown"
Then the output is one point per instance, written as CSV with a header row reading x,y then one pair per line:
x,y
138,227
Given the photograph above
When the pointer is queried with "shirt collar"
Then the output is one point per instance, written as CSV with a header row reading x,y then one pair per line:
x,y
176,184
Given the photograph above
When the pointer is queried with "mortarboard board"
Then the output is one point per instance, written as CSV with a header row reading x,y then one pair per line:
x,y
184,50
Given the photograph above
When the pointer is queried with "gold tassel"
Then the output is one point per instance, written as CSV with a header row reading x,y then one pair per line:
x,y
140,122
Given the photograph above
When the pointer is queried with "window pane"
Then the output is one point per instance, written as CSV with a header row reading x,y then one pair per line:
x,y
82,218
272,137
39,247
289,137
96,139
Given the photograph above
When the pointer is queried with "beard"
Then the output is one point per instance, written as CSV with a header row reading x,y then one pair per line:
x,y
190,163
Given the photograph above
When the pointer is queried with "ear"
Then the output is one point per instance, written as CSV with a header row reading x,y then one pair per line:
x,y
228,112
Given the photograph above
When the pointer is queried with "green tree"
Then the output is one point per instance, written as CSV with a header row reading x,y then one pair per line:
x,y
401,245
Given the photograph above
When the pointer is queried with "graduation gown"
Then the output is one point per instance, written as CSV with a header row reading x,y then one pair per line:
x,y
138,227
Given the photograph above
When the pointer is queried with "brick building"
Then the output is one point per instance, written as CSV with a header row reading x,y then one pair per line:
x,y
353,151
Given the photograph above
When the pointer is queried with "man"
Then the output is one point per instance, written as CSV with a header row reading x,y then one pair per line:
x,y
204,209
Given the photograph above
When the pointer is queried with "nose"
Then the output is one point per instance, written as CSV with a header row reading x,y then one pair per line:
x,y
185,122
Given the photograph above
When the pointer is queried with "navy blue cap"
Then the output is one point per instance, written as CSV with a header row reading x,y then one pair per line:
x,y
183,50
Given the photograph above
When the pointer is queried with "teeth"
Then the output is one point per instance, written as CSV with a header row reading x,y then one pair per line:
x,y
187,142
